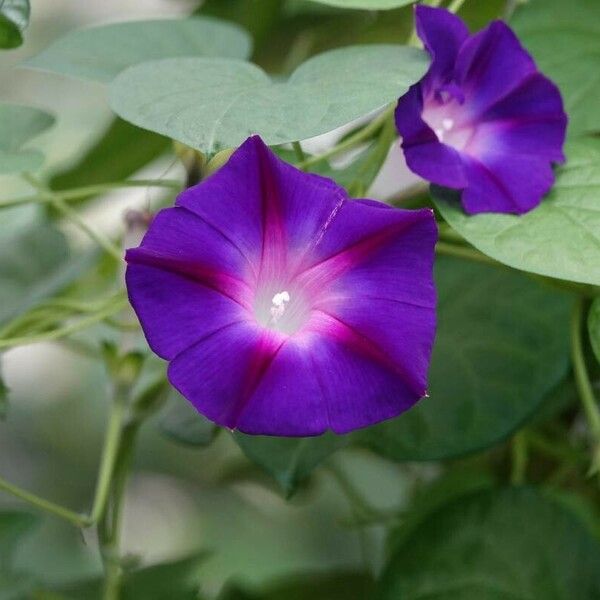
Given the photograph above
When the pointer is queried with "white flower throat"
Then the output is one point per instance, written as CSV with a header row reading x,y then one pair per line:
x,y
278,305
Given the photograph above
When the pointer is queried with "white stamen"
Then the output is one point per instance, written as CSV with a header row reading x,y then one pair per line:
x,y
439,132
447,124
278,305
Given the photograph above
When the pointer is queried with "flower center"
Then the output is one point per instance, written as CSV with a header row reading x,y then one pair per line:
x,y
446,117
283,309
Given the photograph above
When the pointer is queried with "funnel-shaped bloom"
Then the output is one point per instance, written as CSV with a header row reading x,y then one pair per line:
x,y
483,120
283,307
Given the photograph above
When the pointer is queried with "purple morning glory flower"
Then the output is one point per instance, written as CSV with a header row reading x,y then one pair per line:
x,y
483,120
284,307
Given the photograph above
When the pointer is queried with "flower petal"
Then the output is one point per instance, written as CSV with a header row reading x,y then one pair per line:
x,y
490,65
424,154
442,34
267,207
530,120
505,183
176,311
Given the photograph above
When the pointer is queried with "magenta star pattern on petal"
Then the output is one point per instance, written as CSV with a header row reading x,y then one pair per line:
x,y
284,307
483,120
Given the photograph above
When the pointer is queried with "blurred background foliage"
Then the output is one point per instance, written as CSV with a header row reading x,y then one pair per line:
x,y
254,518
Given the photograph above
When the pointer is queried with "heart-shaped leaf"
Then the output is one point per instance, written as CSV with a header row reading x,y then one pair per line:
x,y
560,238
14,17
498,545
502,344
564,38
212,104
19,125
101,53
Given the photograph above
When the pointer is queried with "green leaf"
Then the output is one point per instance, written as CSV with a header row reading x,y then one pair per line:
x,y
101,53
184,424
122,150
560,238
594,327
215,104
496,545
14,524
14,17
35,263
19,125
177,579
348,585
289,460
366,4
564,38
3,396
502,344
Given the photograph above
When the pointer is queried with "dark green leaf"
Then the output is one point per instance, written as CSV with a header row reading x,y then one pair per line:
x,y
289,460
502,344
496,545
560,238
14,17
19,125
564,38
215,104
594,327
177,579
14,524
314,586
101,53
184,424
122,150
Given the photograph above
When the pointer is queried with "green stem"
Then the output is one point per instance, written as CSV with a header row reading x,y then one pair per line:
x,y
67,329
109,453
109,527
300,156
91,190
459,251
455,6
58,203
350,142
519,458
583,383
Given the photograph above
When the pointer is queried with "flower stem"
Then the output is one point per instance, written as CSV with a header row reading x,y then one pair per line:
x,y
519,458
455,6
58,203
300,156
461,251
105,472
55,334
91,190
582,381
362,135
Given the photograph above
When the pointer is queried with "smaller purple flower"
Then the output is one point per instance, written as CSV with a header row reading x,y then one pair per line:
x,y
483,120
284,307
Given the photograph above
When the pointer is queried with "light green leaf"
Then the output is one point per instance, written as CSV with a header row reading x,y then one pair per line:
x,y
512,544
184,424
502,344
14,17
19,125
594,327
35,263
101,53
564,38
212,104
289,460
366,4
560,238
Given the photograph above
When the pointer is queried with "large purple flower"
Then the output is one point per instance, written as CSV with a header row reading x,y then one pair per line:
x,y
483,120
283,307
